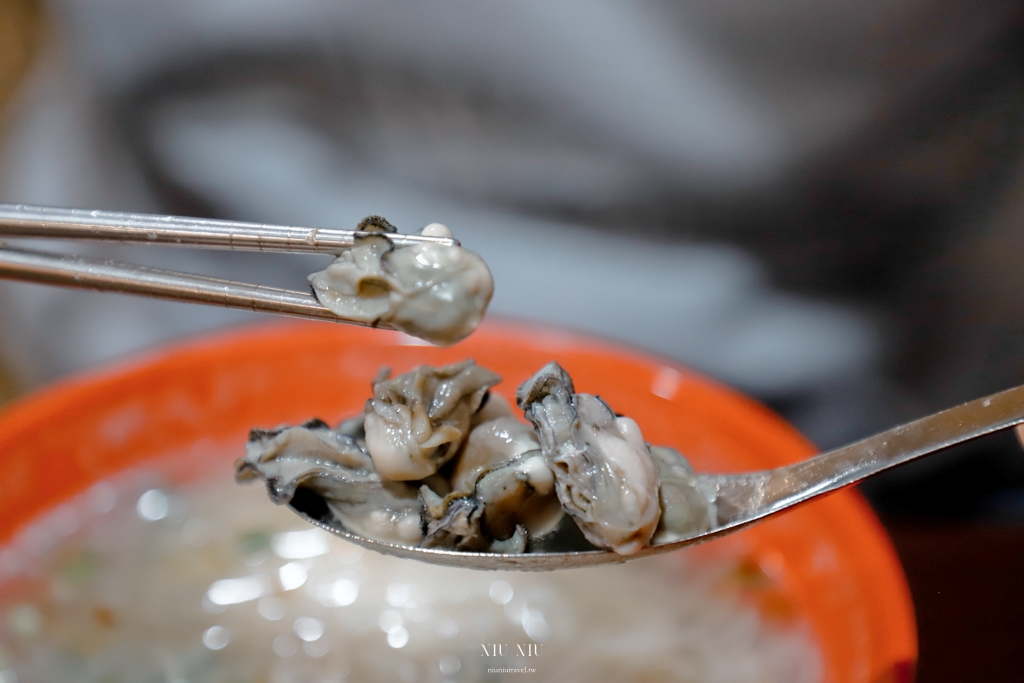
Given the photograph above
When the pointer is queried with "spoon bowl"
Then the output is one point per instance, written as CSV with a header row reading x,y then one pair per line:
x,y
740,500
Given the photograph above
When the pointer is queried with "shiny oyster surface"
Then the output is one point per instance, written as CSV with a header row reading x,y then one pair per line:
x,y
436,460
685,510
417,422
605,475
435,292
334,464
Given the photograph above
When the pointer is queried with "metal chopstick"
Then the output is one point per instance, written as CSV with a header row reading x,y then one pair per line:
x,y
109,276
42,267
20,220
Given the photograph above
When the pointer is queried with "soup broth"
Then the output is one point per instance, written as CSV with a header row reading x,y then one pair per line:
x,y
142,580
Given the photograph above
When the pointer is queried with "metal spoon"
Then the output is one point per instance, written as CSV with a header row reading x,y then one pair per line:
x,y
745,499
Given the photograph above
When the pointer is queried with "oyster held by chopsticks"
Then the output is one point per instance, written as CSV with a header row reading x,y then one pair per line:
x,y
435,292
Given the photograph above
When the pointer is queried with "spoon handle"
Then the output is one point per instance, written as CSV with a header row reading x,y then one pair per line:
x,y
743,498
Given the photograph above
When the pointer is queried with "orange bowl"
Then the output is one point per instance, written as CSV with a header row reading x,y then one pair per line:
x,y
828,562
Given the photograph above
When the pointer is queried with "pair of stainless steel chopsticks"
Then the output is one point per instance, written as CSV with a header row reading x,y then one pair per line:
x,y
18,220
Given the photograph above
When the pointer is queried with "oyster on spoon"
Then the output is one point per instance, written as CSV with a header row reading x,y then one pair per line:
x,y
580,492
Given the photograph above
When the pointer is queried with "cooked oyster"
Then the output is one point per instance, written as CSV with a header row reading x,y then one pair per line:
x,y
502,490
335,466
432,291
491,444
684,509
605,475
417,422
311,454
492,407
508,505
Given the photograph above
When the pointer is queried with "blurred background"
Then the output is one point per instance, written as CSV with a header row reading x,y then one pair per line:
x,y
820,203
